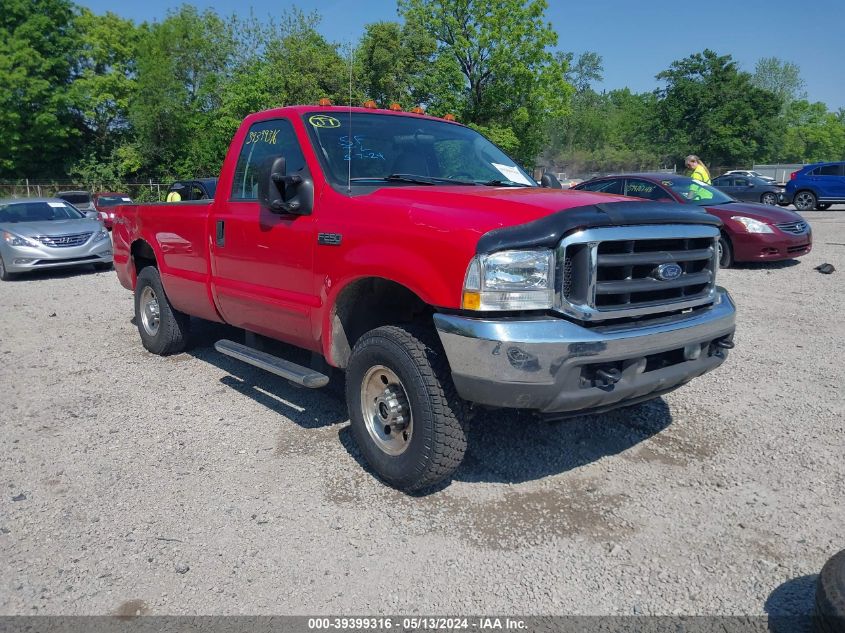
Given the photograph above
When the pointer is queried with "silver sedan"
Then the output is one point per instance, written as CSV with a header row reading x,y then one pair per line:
x,y
38,233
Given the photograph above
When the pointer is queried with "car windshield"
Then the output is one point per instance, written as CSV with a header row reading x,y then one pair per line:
x,y
38,212
112,201
697,192
76,198
210,187
401,150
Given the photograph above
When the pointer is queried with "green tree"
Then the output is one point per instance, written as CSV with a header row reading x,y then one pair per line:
x,y
38,50
509,77
781,78
711,108
812,133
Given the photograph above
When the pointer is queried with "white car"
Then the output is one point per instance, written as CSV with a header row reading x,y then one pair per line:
x,y
750,173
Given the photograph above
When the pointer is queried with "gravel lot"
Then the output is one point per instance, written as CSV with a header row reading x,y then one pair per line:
x,y
196,485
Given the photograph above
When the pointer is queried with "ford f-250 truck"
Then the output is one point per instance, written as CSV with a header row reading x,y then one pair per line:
x,y
415,256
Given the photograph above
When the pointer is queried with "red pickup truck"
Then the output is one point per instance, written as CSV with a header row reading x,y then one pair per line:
x,y
415,256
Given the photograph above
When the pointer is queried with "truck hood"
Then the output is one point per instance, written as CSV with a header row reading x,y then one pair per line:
x,y
482,209
52,227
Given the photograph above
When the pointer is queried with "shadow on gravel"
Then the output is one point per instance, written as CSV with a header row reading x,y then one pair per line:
x,y
56,273
309,408
791,605
785,263
513,447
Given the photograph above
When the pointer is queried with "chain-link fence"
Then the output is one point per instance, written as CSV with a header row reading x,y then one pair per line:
x,y
139,191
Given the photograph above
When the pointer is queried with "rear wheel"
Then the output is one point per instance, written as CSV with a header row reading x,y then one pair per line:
x,y
406,416
163,329
769,198
805,201
726,253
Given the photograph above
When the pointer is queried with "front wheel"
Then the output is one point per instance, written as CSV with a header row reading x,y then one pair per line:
x,y
163,329
726,253
805,201
406,416
769,198
5,275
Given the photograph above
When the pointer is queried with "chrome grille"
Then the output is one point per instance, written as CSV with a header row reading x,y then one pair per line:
x,y
614,271
64,241
796,228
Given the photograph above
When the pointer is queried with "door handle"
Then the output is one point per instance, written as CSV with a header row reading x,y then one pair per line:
x,y
221,234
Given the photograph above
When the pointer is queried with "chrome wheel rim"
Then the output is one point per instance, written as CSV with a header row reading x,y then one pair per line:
x,y
150,315
769,199
386,410
804,201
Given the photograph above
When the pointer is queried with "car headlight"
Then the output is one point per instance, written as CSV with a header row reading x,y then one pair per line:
x,y
510,280
15,240
751,225
101,235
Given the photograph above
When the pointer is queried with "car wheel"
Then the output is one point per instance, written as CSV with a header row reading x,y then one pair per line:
x,y
5,275
823,206
830,595
726,253
805,201
407,417
163,329
769,198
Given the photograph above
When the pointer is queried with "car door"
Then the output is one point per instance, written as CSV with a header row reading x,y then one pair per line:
x,y
725,183
262,262
743,189
830,180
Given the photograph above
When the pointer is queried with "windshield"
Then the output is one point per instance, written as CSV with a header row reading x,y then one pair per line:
x,y
112,201
382,147
697,192
38,212
76,198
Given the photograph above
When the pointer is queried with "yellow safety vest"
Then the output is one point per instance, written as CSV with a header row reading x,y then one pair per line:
x,y
174,196
700,173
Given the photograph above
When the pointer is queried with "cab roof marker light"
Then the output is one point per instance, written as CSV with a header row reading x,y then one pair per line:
x,y
370,104
395,107
325,101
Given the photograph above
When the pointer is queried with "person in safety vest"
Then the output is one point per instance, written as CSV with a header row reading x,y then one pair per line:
x,y
696,169
174,195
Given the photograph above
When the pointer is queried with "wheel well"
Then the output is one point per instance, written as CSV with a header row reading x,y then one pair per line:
x,y
142,256
366,304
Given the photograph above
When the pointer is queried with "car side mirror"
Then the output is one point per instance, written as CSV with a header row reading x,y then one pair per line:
x,y
550,181
278,192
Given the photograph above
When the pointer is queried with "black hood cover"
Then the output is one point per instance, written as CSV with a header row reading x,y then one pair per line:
x,y
548,231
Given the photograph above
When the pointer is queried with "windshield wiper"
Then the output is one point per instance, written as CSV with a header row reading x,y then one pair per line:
x,y
415,179
503,183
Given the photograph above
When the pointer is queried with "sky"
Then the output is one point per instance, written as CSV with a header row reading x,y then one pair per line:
x,y
635,39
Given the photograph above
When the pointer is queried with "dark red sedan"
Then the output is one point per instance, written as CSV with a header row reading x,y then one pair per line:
x,y
105,202
750,232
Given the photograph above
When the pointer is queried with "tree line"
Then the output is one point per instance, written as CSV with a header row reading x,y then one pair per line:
x,y
102,99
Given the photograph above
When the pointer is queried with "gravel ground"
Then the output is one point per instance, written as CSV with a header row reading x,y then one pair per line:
x,y
195,485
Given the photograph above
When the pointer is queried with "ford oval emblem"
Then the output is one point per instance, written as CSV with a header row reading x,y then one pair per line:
x,y
668,272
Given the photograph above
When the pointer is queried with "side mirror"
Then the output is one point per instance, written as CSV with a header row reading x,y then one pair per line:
x,y
277,192
550,181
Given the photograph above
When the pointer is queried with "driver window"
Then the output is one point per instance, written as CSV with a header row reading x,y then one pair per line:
x,y
264,139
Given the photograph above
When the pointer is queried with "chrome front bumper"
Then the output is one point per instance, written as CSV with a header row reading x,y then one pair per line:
x,y
552,365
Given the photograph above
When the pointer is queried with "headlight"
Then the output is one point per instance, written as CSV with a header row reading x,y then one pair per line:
x,y
101,235
751,225
15,240
510,280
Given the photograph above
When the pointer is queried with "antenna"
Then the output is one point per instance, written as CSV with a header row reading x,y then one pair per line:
x,y
349,164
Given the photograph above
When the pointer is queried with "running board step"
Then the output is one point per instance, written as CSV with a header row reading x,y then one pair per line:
x,y
290,371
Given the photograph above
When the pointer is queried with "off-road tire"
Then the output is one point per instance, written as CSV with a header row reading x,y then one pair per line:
x,y
726,252
438,442
830,596
173,327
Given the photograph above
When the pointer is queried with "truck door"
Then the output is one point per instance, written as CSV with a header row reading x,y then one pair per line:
x,y
262,262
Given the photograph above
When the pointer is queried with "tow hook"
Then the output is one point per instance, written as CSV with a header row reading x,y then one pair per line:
x,y
724,343
608,377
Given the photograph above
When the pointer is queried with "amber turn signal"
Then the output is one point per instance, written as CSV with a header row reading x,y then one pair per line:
x,y
471,300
